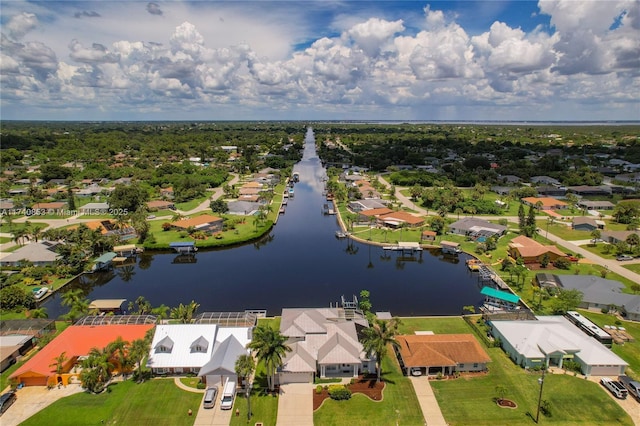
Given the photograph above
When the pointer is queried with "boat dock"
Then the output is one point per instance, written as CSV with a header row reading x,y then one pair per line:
x,y
103,262
184,247
404,247
128,250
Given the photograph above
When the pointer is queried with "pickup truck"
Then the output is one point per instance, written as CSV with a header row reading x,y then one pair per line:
x,y
616,388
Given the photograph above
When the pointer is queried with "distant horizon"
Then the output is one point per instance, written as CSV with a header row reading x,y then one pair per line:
x,y
355,121
399,60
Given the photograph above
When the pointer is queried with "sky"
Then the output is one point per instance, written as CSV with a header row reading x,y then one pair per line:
x,y
320,60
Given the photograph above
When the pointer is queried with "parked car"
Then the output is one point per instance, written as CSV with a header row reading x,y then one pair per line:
x,y
6,400
415,371
616,388
632,386
210,396
624,257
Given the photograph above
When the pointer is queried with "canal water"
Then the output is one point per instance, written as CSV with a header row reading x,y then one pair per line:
x,y
300,263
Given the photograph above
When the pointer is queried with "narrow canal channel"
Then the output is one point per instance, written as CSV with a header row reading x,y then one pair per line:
x,y
300,263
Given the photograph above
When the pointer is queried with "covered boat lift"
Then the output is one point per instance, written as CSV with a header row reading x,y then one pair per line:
x,y
184,247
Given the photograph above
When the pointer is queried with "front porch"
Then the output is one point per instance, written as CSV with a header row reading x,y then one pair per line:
x,y
339,370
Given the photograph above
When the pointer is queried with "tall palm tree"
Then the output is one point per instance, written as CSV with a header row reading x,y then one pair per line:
x,y
185,313
378,337
270,346
78,304
245,365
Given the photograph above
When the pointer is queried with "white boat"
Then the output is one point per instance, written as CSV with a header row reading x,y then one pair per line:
x,y
340,234
39,293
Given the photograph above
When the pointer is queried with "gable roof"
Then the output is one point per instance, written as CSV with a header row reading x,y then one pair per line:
x,y
401,216
76,341
467,223
338,350
440,350
223,359
299,360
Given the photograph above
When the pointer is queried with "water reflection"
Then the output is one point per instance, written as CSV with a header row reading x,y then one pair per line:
x,y
300,263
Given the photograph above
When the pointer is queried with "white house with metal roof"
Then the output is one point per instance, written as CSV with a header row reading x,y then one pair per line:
x,y
550,341
208,350
323,341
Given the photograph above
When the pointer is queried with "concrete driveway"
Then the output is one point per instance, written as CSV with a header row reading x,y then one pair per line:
x,y
32,399
427,400
295,405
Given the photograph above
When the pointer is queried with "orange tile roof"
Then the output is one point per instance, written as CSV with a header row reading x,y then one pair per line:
x,y
546,201
402,216
441,350
195,221
531,248
376,212
53,205
77,341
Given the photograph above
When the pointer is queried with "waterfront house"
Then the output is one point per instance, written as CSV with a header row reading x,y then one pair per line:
x,y
205,223
472,226
112,227
324,342
39,253
207,349
367,216
442,353
551,340
531,251
400,218
357,206
75,342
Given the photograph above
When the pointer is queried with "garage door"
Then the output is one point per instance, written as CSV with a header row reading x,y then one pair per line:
x,y
605,371
288,377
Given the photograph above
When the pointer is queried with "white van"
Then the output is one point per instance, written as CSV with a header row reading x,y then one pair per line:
x,y
228,395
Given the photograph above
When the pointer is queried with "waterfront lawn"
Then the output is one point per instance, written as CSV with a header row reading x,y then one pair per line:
x,y
156,402
630,351
442,325
470,401
399,404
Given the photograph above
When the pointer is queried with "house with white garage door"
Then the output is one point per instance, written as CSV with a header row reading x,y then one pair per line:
x,y
208,350
323,342
552,340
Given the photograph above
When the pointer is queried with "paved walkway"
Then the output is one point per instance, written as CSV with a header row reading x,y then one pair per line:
x,y
32,399
295,405
428,403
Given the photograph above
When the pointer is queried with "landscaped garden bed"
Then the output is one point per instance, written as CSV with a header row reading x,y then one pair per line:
x,y
367,386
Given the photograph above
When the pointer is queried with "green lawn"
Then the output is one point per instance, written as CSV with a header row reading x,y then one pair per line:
x,y
191,204
399,404
630,351
563,231
156,402
469,401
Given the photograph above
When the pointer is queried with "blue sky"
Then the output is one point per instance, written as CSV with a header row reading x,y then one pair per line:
x,y
320,60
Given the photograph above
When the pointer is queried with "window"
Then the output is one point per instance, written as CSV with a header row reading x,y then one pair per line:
x,y
475,365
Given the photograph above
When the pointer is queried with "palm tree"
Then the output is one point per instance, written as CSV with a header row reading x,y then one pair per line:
x,y
59,362
185,313
270,346
137,352
118,352
39,313
245,365
77,303
378,337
